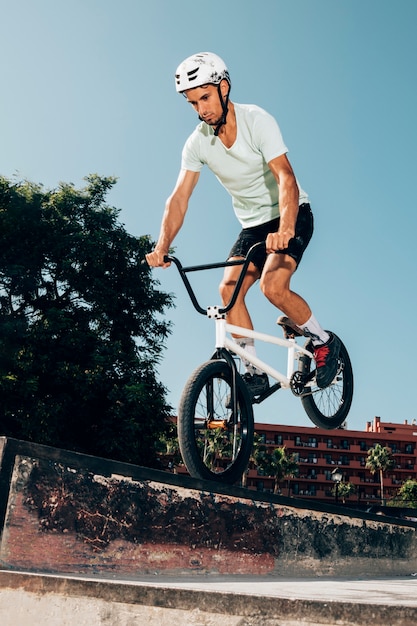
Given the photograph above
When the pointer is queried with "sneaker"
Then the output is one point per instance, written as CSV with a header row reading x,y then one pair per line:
x,y
326,357
255,383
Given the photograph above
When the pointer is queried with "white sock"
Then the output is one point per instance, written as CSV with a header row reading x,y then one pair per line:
x,y
249,345
313,329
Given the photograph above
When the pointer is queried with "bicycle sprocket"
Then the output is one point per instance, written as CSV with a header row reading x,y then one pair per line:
x,y
298,382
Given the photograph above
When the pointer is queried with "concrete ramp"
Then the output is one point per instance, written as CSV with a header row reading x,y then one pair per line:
x,y
67,513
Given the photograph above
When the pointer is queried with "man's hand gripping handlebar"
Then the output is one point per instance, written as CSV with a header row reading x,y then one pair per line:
x,y
158,259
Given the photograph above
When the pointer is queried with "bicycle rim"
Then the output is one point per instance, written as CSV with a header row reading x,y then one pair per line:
x,y
328,408
215,443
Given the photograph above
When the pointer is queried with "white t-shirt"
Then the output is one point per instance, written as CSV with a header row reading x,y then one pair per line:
x,y
243,169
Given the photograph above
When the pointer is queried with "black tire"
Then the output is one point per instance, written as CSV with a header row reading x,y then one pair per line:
x,y
213,445
328,408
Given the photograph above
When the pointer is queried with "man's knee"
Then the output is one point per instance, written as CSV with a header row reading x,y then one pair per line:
x,y
226,288
230,279
274,290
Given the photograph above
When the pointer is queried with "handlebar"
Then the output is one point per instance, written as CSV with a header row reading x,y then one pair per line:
x,y
183,271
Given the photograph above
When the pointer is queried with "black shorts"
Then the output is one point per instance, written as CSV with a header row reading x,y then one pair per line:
x,y
249,236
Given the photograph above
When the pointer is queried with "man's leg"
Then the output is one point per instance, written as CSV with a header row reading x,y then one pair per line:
x,y
239,314
275,284
256,381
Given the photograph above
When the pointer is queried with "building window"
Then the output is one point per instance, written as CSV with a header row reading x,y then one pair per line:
x,y
279,440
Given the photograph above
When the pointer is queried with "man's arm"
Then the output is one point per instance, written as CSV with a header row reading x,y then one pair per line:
x,y
288,203
173,217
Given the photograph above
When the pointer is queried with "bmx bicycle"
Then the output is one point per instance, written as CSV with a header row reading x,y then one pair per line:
x,y
215,413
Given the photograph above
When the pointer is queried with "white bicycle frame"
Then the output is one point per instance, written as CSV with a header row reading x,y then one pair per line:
x,y
223,328
223,341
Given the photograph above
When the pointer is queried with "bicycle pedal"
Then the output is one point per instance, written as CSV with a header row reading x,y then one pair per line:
x,y
289,328
213,424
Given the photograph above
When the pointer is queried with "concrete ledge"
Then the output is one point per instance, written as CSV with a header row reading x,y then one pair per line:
x,y
67,513
58,601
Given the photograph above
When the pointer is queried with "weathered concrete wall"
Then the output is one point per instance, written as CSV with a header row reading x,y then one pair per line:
x,y
68,513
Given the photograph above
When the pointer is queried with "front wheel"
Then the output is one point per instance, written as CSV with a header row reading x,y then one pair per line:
x,y
328,408
215,443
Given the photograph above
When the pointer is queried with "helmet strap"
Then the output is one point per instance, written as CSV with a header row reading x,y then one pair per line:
x,y
225,108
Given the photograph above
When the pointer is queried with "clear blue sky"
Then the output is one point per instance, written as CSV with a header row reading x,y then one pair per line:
x,y
87,86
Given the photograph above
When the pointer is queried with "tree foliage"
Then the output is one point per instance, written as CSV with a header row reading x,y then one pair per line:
x,y
277,463
408,493
81,324
343,490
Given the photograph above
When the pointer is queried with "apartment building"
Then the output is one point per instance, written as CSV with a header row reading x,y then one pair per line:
x,y
320,452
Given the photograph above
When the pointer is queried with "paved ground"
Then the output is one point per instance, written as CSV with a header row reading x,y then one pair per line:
x,y
401,591
210,601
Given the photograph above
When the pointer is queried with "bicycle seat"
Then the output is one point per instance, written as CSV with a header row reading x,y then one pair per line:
x,y
289,328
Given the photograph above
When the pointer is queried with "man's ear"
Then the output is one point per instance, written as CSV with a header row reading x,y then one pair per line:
x,y
224,87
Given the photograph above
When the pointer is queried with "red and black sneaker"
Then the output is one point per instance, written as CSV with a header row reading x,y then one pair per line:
x,y
326,357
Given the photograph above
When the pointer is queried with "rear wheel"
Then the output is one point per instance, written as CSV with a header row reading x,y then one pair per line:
x,y
215,443
328,408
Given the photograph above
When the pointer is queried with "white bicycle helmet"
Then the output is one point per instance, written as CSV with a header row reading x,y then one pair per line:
x,y
204,68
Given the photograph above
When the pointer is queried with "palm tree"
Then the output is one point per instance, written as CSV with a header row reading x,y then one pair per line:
x,y
278,464
380,460
216,445
258,448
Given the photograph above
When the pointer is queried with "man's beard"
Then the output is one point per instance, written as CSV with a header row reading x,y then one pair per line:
x,y
215,123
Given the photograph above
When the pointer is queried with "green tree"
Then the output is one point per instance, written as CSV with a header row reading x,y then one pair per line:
x,y
380,460
168,446
343,490
408,493
277,463
80,324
